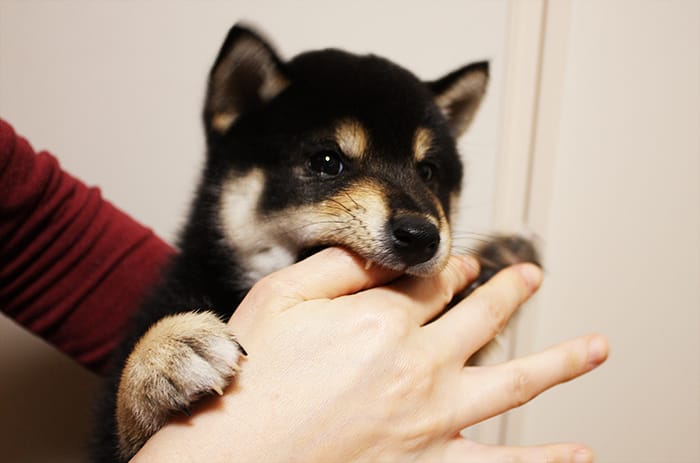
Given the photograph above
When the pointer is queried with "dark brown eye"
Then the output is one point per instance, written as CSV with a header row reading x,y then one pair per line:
x,y
326,163
427,171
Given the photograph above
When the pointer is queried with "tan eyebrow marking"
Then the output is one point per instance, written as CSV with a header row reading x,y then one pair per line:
x,y
352,138
422,141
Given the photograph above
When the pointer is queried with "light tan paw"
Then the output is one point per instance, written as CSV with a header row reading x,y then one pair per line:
x,y
180,358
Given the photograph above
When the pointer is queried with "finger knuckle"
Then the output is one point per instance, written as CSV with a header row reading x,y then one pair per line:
x,y
272,285
495,316
521,387
415,377
384,324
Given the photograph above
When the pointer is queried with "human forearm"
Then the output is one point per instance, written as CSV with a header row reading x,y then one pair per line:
x,y
73,268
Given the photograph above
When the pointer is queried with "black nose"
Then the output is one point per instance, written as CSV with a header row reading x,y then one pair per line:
x,y
415,239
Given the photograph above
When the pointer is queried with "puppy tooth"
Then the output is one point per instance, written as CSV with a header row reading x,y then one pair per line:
x,y
368,264
218,390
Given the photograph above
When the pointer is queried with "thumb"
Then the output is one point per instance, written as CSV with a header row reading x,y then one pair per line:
x,y
330,273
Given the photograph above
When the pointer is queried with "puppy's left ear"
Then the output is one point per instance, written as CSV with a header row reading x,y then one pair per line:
x,y
459,94
246,74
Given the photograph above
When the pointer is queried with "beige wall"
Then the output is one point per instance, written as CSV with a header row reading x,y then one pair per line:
x,y
615,196
114,89
602,110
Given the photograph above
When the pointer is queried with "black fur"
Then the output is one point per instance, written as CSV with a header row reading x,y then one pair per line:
x,y
280,135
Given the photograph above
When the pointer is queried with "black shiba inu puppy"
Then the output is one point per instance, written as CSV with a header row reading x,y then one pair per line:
x,y
329,148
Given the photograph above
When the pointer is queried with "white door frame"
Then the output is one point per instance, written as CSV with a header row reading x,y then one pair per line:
x,y
535,65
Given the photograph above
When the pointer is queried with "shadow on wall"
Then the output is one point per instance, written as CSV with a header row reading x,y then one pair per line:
x,y
46,407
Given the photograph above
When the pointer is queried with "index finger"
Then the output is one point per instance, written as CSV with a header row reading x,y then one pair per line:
x,y
427,297
476,320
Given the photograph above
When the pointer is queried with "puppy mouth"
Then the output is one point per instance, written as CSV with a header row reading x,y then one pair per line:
x,y
369,262
310,251
391,254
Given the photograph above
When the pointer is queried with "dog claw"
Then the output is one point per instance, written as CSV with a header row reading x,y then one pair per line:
x,y
242,349
368,264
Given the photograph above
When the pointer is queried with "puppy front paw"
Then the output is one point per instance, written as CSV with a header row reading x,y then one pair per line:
x,y
501,252
495,255
180,359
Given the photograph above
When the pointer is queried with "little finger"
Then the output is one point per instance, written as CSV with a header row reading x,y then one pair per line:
x,y
466,451
492,390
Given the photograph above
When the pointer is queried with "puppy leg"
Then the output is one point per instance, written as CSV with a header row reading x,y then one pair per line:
x,y
179,359
494,256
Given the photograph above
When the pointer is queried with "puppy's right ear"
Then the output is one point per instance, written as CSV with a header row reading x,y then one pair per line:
x,y
246,74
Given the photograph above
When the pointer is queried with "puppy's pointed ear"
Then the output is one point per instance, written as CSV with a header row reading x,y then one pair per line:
x,y
246,74
459,94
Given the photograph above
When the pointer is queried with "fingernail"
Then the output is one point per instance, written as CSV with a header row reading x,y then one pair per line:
x,y
532,275
583,456
597,351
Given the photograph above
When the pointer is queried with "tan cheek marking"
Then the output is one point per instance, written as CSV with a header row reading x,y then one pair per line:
x,y
363,208
355,218
352,138
422,141
445,235
222,121
255,237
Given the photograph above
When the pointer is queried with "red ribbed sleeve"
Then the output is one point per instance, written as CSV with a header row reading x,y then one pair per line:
x,y
72,266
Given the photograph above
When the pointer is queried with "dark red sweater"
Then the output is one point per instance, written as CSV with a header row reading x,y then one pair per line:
x,y
72,266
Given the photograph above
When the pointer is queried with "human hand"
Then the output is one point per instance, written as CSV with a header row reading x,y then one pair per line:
x,y
346,366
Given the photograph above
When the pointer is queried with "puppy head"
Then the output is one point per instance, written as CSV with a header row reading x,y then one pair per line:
x,y
332,148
